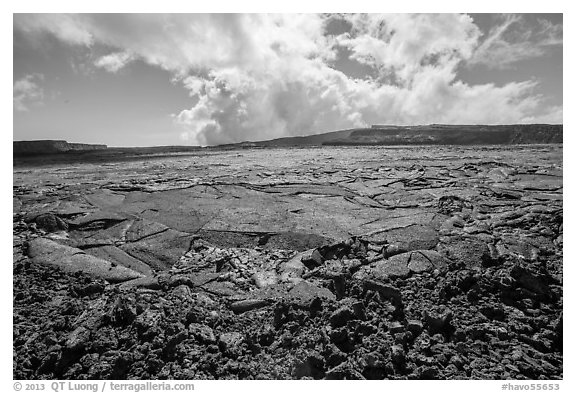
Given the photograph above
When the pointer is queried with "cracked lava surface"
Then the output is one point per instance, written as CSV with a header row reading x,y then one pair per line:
x,y
336,263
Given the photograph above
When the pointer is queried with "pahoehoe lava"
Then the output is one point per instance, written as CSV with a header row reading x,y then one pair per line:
x,y
438,262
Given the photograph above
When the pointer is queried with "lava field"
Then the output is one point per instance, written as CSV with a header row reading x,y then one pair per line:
x,y
438,262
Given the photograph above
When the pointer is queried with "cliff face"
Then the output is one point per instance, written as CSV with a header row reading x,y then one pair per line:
x,y
22,148
85,146
433,134
454,135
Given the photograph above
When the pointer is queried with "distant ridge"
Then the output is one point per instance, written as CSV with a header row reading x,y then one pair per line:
x,y
42,152
432,134
39,147
377,135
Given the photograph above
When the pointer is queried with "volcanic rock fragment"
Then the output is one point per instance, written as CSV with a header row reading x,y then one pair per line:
x,y
398,355
50,222
341,316
311,258
404,264
438,321
311,366
231,343
263,279
201,332
304,292
471,252
243,306
415,327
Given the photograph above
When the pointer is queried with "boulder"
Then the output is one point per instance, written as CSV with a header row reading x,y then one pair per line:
x,y
471,252
413,262
304,292
387,292
312,258
50,222
202,333
396,266
293,269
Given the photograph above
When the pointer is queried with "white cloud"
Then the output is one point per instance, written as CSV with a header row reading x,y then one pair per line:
x,y
114,61
27,92
553,115
405,43
265,76
67,27
513,40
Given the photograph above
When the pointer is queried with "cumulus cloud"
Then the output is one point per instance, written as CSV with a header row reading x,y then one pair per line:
x,y
553,115
254,77
27,92
404,44
513,40
114,61
67,27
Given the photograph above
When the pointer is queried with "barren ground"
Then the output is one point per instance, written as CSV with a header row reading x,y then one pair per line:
x,y
394,263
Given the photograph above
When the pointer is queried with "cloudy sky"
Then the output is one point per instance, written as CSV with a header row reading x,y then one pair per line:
x,y
188,79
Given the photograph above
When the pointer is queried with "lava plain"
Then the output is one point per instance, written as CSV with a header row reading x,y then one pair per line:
x,y
420,262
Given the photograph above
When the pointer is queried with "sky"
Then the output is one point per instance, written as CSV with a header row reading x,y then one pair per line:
x,y
206,79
